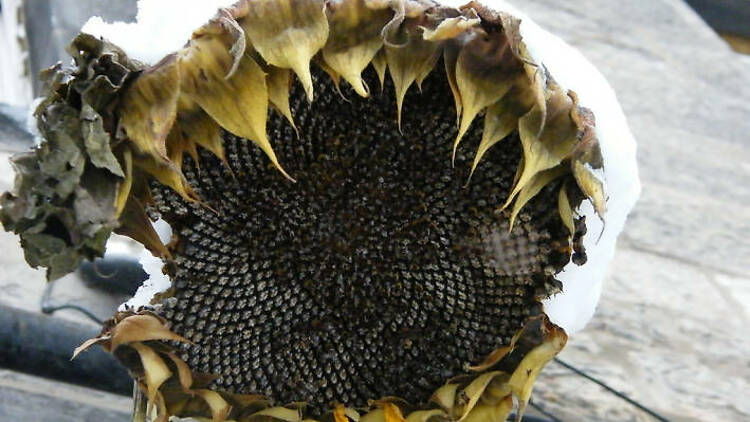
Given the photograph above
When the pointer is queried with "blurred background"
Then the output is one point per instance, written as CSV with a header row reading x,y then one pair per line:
x,y
671,330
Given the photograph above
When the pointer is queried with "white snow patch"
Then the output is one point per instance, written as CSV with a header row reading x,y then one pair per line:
x,y
582,285
162,27
157,282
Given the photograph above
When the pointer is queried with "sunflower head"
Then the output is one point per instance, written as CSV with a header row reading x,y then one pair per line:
x,y
369,201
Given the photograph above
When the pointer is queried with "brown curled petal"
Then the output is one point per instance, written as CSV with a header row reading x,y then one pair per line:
x,y
139,328
219,407
155,370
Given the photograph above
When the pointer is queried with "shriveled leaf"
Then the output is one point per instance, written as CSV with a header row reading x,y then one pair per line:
x,y
96,140
288,33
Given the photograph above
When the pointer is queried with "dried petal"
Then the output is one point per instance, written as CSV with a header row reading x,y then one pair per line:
x,y
288,33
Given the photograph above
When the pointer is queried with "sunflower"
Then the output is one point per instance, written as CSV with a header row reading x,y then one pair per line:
x,y
369,201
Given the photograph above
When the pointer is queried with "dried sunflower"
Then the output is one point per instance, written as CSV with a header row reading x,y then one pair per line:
x,y
370,199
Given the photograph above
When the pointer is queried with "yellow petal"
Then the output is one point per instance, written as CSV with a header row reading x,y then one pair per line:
x,y
154,368
279,81
377,415
149,108
548,149
354,39
445,396
168,174
380,64
238,104
475,390
565,210
485,70
409,61
426,415
502,117
392,413
183,371
281,413
138,328
450,57
451,28
134,224
123,191
288,33
219,407
492,359
531,189
88,343
591,182
523,378
491,412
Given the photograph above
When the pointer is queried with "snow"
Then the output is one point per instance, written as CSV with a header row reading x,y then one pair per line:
x,y
162,27
582,285
157,281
